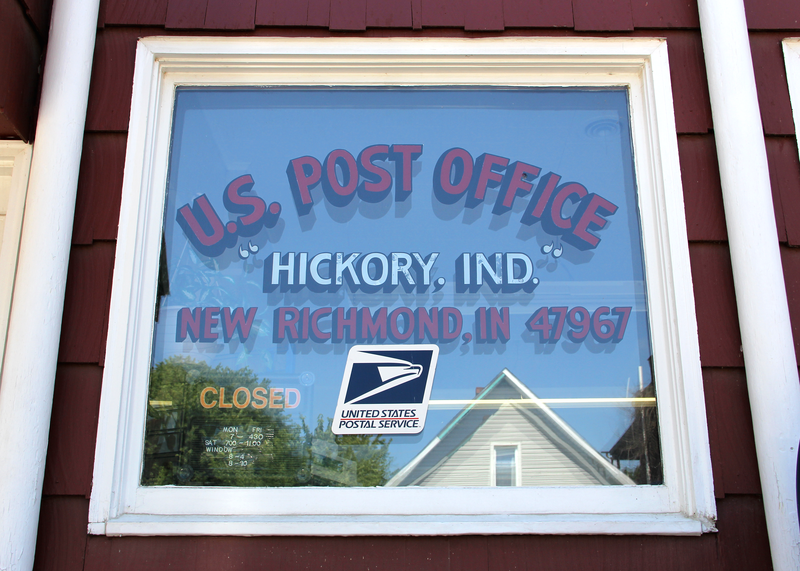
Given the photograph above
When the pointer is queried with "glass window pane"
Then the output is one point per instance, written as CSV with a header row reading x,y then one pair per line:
x,y
311,235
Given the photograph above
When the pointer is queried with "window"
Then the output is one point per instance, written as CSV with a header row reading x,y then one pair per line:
x,y
371,293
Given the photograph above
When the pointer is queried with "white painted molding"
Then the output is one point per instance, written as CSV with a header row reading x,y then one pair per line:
x,y
769,356
685,505
17,155
546,524
28,377
791,58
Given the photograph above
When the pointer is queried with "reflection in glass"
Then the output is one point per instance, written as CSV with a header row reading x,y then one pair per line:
x,y
555,455
251,334
189,444
192,444
639,447
505,465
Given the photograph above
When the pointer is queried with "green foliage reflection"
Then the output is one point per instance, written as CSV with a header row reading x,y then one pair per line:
x,y
187,444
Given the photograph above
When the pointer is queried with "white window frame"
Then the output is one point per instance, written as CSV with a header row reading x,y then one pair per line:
x,y
17,156
684,505
517,462
791,58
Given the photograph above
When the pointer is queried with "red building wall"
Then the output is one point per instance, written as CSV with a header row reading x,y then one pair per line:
x,y
741,542
23,35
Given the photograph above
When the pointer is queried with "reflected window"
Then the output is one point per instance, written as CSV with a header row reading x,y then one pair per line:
x,y
505,465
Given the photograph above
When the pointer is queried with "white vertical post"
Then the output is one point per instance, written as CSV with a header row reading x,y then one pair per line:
x,y
772,378
29,366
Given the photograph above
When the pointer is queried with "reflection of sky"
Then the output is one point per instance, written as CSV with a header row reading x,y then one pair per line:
x,y
582,135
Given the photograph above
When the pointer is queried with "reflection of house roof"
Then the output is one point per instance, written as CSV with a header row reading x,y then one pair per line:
x,y
506,411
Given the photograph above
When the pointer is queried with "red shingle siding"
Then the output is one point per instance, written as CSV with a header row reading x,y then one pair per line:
x,y
482,16
85,321
743,542
533,553
608,16
230,15
689,87
733,448
348,15
38,11
135,12
773,91
665,14
319,12
382,14
99,187
61,543
702,192
790,258
717,323
537,13
784,170
70,452
442,13
20,55
186,14
112,79
772,14
278,13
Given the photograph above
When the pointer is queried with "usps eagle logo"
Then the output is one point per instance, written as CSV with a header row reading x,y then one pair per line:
x,y
385,389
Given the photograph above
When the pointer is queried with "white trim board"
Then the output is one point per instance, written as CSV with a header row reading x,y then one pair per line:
x,y
791,57
684,505
17,156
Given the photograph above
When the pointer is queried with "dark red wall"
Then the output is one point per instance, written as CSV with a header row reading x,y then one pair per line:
x,y
23,34
742,540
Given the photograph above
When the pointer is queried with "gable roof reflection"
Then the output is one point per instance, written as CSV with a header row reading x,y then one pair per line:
x,y
507,412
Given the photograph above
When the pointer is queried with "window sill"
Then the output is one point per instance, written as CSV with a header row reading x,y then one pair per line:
x,y
552,524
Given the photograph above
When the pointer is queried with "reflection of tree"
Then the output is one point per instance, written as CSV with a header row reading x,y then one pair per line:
x,y
187,444
641,443
349,459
